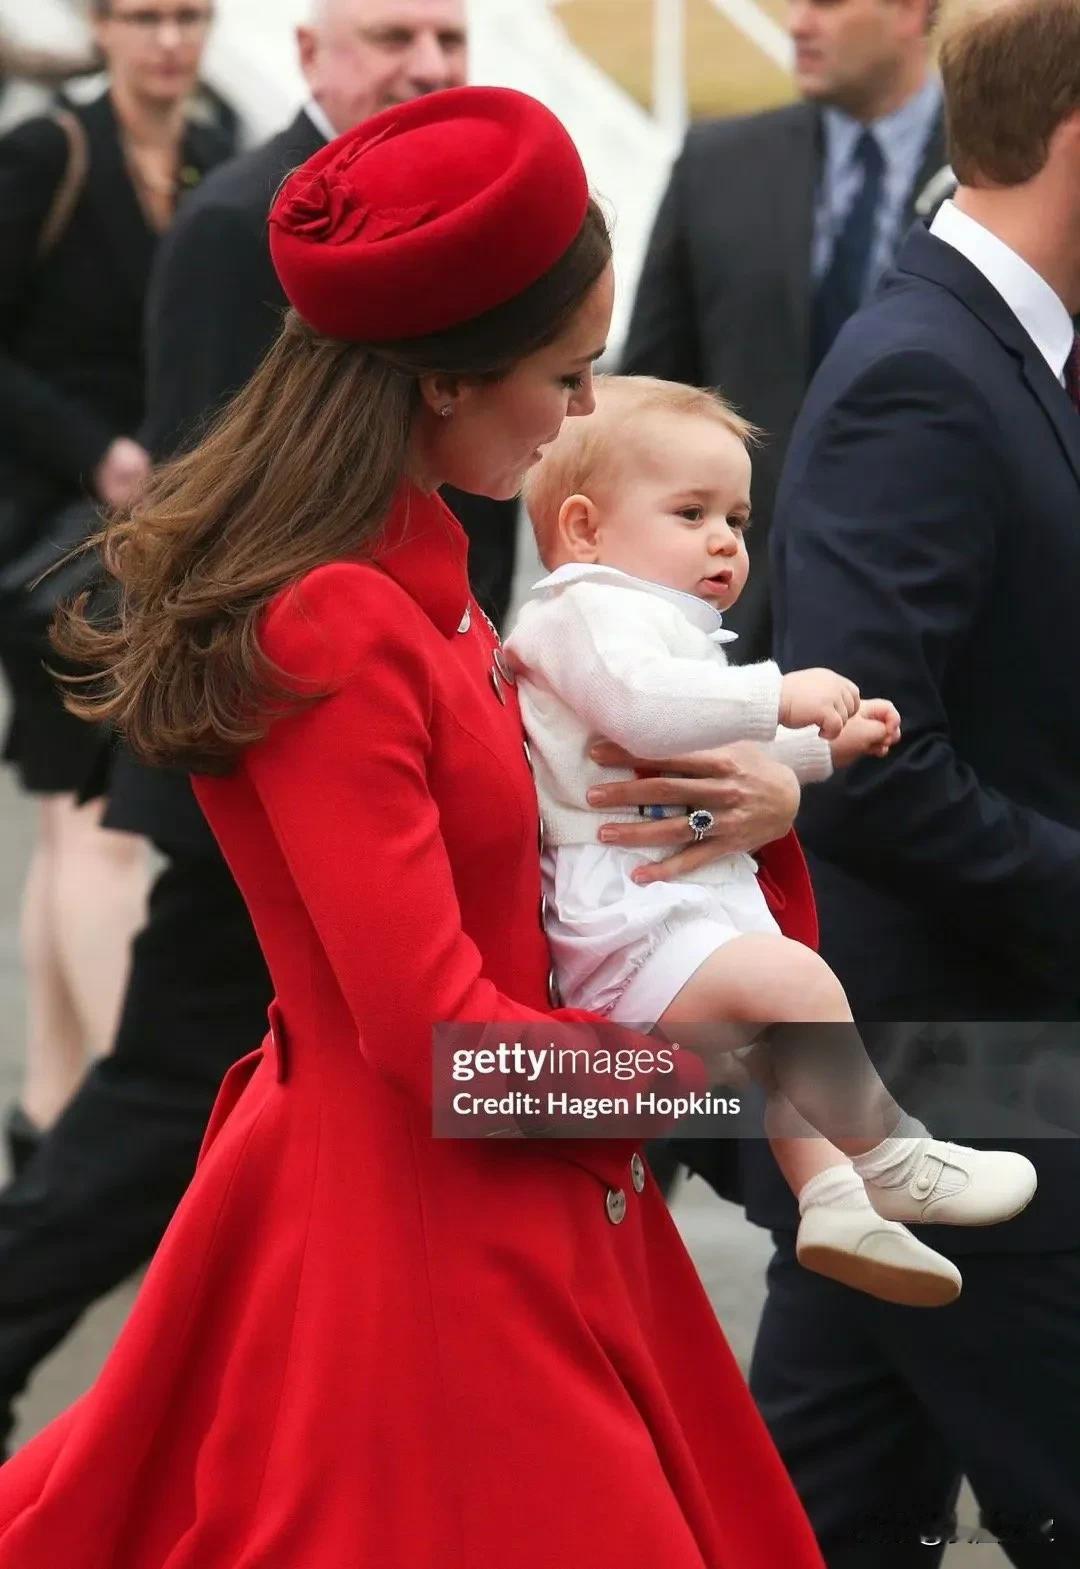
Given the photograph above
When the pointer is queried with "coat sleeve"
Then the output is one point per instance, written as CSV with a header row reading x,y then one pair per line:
x,y
44,427
890,517
206,326
662,339
611,664
344,784
804,751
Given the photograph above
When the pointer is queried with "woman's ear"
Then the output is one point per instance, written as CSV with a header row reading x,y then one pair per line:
x,y
578,529
442,394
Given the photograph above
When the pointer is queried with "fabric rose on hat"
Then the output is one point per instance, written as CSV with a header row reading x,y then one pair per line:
x,y
330,205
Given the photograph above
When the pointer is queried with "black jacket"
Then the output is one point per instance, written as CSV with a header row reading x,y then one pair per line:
x,y
72,372
725,293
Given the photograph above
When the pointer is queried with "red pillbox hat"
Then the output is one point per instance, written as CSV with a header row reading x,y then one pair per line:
x,y
427,215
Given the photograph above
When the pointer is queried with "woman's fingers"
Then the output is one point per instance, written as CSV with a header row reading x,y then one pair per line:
x,y
664,792
693,765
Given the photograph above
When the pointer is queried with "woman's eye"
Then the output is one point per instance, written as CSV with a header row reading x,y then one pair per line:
x,y
573,383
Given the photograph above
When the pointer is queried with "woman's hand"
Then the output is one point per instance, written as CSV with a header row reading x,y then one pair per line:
x,y
753,798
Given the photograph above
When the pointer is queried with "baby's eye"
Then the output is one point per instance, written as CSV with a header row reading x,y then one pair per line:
x,y
739,523
692,514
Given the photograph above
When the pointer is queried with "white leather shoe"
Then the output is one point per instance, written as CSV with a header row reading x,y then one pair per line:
x,y
996,1185
859,1249
873,1255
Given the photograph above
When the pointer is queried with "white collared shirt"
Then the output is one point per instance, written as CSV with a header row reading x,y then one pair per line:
x,y
697,611
320,120
1041,313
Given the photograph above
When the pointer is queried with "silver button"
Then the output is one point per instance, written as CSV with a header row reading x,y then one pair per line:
x,y
497,687
637,1173
554,995
466,620
502,665
528,753
543,911
540,837
615,1204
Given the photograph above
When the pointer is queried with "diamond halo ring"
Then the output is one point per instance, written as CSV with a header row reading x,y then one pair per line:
x,y
700,821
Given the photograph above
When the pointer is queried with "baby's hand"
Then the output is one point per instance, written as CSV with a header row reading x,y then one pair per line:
x,y
871,733
818,697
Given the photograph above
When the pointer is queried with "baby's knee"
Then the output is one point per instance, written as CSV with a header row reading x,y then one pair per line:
x,y
801,985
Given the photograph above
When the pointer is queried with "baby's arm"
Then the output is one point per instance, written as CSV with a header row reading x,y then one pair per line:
x,y
607,657
805,752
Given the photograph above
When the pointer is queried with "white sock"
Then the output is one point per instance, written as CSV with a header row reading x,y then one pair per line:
x,y
837,1187
895,1161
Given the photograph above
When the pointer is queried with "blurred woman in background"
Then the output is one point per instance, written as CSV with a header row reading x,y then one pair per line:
x,y
85,195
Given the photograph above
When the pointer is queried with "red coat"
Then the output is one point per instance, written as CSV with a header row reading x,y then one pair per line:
x,y
360,1347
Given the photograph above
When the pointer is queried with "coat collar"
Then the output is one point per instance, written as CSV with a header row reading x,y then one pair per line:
x,y
425,550
925,256
696,611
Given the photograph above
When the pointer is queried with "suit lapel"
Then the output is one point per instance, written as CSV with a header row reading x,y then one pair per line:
x,y
1060,412
796,191
116,206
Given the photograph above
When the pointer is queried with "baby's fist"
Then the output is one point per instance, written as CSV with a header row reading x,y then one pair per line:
x,y
818,697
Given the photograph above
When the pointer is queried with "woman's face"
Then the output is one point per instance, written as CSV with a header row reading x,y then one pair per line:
x,y
495,432
153,48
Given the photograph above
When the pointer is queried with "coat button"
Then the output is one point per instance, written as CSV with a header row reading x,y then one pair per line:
x,y
528,753
637,1173
497,686
543,911
540,837
466,620
554,995
615,1204
502,665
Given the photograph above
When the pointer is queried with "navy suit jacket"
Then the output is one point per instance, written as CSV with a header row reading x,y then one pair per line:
x,y
926,543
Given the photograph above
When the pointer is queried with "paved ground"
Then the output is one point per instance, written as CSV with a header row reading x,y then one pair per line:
x,y
730,1254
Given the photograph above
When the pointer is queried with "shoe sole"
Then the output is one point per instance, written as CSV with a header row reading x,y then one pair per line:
x,y
887,1282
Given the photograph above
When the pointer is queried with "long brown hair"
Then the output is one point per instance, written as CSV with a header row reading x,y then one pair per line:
x,y
300,470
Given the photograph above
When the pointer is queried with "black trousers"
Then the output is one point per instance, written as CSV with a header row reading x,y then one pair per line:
x,y
94,1201
877,1410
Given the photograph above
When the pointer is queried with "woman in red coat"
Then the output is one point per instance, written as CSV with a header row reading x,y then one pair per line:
x,y
360,1346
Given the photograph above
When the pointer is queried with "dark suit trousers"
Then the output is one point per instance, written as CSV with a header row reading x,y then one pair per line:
x,y
95,1200
878,1410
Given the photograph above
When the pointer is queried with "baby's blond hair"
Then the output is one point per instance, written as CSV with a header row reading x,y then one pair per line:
x,y
584,457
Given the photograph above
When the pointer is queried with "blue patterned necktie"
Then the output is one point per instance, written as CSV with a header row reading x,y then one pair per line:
x,y
841,290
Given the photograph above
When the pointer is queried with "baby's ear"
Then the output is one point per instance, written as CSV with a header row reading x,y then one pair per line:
x,y
578,529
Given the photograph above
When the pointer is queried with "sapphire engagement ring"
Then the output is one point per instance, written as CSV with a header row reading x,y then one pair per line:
x,y
700,822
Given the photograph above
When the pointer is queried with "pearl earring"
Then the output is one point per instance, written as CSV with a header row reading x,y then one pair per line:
x,y
447,411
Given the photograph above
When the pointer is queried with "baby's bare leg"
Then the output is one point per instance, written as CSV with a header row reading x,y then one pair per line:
x,y
764,982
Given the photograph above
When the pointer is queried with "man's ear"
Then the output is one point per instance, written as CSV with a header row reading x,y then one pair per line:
x,y
578,529
442,394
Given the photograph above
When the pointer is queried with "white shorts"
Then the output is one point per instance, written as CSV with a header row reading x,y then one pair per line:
x,y
626,952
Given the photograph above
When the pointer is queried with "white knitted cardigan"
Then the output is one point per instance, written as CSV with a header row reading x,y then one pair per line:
x,y
602,654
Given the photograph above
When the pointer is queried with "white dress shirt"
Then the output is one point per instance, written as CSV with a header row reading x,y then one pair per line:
x,y
1041,313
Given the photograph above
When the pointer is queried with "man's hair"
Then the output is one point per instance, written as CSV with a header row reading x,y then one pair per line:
x,y
1011,70
588,453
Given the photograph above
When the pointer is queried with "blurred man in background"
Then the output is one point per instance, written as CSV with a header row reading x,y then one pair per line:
x,y
96,1197
775,227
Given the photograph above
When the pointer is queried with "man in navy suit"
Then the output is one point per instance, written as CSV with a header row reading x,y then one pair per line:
x,y
927,543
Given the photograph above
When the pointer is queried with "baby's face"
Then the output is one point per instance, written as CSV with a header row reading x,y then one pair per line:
x,y
679,511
